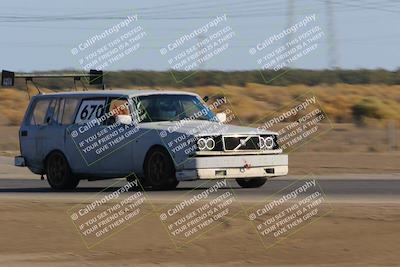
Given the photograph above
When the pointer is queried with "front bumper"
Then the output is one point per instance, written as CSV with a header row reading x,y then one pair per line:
x,y
231,167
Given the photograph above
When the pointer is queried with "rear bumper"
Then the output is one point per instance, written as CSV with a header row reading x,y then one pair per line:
x,y
19,161
231,167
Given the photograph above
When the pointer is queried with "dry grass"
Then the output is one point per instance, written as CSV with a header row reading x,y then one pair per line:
x,y
254,101
13,104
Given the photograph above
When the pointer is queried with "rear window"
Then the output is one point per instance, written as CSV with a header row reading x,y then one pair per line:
x,y
54,111
70,106
39,112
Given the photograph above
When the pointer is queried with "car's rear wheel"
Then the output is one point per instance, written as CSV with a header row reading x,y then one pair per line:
x,y
159,170
251,183
58,172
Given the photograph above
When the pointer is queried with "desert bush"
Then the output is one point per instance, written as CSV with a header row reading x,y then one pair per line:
x,y
368,108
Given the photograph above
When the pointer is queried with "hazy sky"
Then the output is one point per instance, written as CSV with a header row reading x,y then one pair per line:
x,y
39,35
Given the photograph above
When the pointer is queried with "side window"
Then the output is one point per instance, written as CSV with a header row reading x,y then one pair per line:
x,y
160,107
117,106
139,113
69,107
90,109
141,106
192,106
39,112
52,112
57,117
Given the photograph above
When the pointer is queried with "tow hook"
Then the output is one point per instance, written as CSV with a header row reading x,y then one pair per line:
x,y
245,167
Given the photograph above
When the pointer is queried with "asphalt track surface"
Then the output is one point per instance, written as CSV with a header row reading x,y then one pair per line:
x,y
370,188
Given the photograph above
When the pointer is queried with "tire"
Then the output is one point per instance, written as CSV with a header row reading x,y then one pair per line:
x,y
59,174
159,170
251,183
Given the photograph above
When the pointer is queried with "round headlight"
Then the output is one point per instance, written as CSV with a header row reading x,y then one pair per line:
x,y
269,142
262,142
201,143
210,143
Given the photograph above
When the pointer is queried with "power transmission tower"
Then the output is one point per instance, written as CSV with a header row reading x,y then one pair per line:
x,y
333,55
202,79
290,21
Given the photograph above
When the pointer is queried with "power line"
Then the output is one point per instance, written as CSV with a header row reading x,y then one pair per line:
x,y
376,7
245,12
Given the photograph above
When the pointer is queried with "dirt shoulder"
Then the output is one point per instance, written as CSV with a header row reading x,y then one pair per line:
x,y
338,163
40,233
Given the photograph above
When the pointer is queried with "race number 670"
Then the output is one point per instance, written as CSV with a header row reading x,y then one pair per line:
x,y
88,111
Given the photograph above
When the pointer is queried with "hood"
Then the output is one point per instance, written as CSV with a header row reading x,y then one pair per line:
x,y
204,128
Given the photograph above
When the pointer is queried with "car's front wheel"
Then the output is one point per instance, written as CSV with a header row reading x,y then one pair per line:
x,y
251,183
159,170
59,174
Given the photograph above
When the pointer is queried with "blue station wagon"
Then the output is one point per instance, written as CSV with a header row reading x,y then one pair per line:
x,y
161,137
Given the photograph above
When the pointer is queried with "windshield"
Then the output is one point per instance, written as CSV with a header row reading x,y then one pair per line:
x,y
172,108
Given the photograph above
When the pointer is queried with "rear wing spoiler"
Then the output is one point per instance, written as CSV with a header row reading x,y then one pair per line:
x,y
8,77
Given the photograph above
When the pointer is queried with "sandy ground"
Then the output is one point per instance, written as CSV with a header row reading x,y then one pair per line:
x,y
40,233
37,231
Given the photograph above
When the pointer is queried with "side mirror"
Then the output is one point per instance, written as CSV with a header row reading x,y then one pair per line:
x,y
221,116
123,119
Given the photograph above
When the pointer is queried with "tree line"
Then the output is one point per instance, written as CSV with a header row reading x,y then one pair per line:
x,y
121,79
